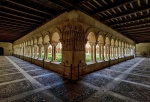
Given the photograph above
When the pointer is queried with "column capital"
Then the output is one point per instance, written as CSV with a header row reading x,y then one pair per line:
x,y
100,44
54,44
46,44
92,43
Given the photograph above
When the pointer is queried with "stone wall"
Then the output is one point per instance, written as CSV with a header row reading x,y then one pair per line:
x,y
143,49
7,48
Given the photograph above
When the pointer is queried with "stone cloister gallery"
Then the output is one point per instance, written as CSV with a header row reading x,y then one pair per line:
x,y
84,45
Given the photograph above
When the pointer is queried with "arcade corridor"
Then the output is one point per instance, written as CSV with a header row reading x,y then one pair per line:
x,y
21,81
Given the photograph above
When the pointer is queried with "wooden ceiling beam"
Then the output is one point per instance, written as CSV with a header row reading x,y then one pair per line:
x,y
17,20
22,12
119,24
132,25
26,18
31,8
137,29
62,4
14,23
112,6
130,19
128,12
13,27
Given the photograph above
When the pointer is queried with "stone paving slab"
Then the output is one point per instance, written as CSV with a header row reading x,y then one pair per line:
x,y
7,71
136,92
109,98
29,68
7,78
50,79
79,91
96,80
15,88
39,72
108,73
72,92
37,97
139,79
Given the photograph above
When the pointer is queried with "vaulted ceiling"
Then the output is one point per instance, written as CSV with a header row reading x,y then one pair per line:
x,y
129,17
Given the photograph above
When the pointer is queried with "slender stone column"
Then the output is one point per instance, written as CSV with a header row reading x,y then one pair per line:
x,y
46,51
111,50
91,52
108,46
94,54
117,51
31,48
99,51
35,51
54,44
40,51
102,46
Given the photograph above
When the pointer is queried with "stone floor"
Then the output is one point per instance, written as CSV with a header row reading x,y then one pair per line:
x,y
21,81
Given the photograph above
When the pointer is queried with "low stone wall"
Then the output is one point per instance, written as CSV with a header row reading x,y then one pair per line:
x,y
65,70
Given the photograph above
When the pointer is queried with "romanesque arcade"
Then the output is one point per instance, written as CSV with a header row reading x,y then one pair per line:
x,y
68,45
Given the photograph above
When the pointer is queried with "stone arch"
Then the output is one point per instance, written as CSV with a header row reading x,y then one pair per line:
x,y
107,40
120,43
40,40
100,39
1,51
116,43
53,30
112,42
56,46
88,31
91,37
35,41
46,39
55,37
28,42
32,42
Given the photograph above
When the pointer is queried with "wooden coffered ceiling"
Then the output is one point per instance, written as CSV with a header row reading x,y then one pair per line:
x,y
129,17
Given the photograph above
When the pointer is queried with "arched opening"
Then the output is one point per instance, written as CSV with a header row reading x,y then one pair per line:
x,y
1,51
90,48
100,49
112,49
47,55
106,49
116,49
40,48
56,48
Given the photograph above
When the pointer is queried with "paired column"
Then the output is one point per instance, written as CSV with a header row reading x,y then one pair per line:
x,y
40,51
35,51
54,44
107,51
46,51
93,51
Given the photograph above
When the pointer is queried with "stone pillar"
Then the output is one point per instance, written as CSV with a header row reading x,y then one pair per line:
x,y
108,46
40,51
35,51
100,51
46,51
110,53
73,46
31,48
54,44
117,51
94,54
91,52
102,46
